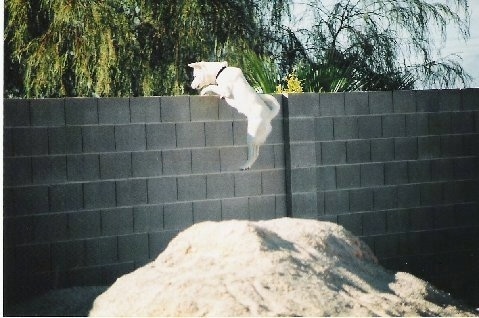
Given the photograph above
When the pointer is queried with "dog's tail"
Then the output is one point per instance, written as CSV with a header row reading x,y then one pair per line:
x,y
272,103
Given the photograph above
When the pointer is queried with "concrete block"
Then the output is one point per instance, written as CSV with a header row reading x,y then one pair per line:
x,y
280,206
462,122
240,132
33,258
374,223
205,160
429,147
17,171
190,135
470,99
303,180
47,112
133,247
442,169
100,251
382,149
130,137
358,151
419,171
408,196
206,211
394,125
304,205
147,218
65,140
439,123
277,134
352,223
84,224
115,165
235,208
219,186
324,128
29,141
7,142
369,126
385,198
98,138
81,111
83,167
147,164
66,197
27,200
50,227
49,169
158,241
333,152
396,173
99,195
160,136
428,100
178,216
471,144
192,188
219,133
232,158
204,108
348,176
319,154
68,255
417,124
303,105
345,127
262,208
450,100
331,104
326,178
303,154
404,101
247,183
225,111
279,155
397,221
112,272
405,148
380,102
16,112
114,110
452,146
176,162
301,129
145,109
454,192
175,108
131,192
360,200
265,159
372,174
356,103
336,202
273,182
162,190
421,219
117,221
444,216
466,168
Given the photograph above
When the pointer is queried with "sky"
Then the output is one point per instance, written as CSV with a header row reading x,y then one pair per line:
x,y
467,50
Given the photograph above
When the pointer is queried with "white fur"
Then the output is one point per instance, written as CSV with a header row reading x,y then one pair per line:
x,y
233,87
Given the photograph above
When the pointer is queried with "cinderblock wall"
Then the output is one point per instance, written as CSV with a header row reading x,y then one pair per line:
x,y
94,188
399,169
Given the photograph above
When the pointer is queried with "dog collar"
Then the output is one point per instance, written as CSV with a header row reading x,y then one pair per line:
x,y
219,72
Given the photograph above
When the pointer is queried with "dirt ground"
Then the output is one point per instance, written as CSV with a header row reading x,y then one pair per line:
x,y
282,267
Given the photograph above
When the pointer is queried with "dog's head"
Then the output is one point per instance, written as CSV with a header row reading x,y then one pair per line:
x,y
204,73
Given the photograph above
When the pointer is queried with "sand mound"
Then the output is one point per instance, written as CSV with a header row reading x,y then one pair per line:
x,y
282,267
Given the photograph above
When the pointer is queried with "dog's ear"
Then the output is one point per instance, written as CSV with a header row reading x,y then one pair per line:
x,y
224,63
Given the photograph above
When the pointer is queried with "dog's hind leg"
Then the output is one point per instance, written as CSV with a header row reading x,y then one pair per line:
x,y
253,153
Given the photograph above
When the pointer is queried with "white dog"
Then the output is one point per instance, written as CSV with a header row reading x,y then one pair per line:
x,y
229,83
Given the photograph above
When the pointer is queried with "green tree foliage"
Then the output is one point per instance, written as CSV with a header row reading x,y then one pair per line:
x,y
59,48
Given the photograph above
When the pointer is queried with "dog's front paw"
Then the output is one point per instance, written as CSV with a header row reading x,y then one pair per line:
x,y
245,167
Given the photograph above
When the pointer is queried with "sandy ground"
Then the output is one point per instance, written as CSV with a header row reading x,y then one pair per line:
x,y
282,267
